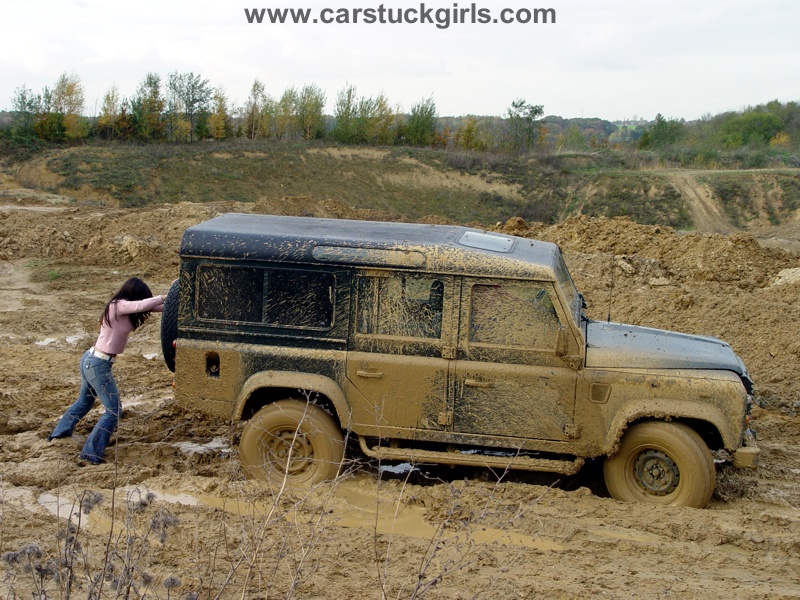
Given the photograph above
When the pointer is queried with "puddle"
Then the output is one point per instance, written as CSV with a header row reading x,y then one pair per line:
x,y
66,508
142,399
365,511
392,518
400,469
43,209
46,341
349,508
215,446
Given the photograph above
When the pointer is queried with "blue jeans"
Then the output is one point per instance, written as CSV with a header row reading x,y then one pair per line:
x,y
97,381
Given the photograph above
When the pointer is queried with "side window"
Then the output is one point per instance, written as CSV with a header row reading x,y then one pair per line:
x,y
276,297
513,314
298,299
401,305
230,293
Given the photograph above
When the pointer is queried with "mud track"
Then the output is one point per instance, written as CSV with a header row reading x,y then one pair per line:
x,y
176,509
707,214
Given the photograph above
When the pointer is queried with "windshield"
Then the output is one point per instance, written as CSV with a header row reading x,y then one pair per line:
x,y
568,288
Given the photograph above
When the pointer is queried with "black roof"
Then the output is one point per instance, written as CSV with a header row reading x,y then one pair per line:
x,y
306,240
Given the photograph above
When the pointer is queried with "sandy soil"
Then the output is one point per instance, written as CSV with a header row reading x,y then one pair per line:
x,y
175,517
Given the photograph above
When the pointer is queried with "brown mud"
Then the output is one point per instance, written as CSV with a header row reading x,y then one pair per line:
x,y
177,510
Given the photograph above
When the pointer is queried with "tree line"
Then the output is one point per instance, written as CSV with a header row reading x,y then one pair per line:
x,y
185,107
773,124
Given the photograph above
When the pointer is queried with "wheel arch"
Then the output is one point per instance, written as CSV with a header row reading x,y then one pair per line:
x,y
267,387
707,420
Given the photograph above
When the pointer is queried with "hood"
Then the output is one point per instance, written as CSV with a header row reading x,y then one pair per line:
x,y
610,345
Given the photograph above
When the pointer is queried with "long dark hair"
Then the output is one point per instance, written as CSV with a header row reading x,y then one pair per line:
x,y
133,289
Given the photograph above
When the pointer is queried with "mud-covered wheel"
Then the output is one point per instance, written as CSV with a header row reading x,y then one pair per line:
x,y
661,463
294,441
169,326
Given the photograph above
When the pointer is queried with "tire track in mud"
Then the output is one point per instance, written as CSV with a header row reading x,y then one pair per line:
x,y
707,215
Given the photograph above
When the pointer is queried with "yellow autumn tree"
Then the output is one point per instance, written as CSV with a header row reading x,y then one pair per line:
x,y
782,140
68,100
310,107
107,121
219,121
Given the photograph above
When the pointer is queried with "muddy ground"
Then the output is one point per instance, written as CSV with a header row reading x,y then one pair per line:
x,y
172,516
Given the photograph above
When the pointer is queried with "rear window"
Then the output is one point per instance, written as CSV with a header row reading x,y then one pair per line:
x,y
273,297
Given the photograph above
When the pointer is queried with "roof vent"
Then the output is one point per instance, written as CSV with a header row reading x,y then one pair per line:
x,y
487,241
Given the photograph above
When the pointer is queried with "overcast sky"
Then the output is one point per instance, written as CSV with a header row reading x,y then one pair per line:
x,y
611,59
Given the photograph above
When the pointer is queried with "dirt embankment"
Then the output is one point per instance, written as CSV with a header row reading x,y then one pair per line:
x,y
177,516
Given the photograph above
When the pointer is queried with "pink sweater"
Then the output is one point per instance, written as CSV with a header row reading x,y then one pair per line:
x,y
114,337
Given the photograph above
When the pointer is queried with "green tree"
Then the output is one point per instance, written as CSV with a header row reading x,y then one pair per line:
x,y
523,124
253,123
367,122
268,117
310,117
345,112
421,124
359,120
201,128
50,127
190,96
49,124
387,122
574,139
285,123
754,128
25,108
147,109
662,134
125,127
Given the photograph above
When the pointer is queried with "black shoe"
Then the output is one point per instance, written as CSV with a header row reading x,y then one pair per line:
x,y
83,461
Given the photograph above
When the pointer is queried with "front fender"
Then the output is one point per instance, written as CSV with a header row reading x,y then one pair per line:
x,y
300,381
670,409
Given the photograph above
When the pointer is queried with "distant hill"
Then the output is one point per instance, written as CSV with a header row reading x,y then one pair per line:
x,y
417,183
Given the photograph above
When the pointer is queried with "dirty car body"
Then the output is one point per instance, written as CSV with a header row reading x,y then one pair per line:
x,y
440,344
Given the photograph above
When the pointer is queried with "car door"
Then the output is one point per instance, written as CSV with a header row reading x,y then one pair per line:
x,y
401,351
510,377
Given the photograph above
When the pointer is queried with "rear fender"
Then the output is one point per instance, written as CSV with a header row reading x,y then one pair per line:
x,y
305,382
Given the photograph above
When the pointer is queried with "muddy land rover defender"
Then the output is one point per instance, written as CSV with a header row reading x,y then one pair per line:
x,y
439,344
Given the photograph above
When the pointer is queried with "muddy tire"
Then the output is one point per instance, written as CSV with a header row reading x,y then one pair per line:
x,y
661,463
169,326
294,441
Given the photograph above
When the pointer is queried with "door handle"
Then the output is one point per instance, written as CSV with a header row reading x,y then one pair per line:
x,y
370,374
478,384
